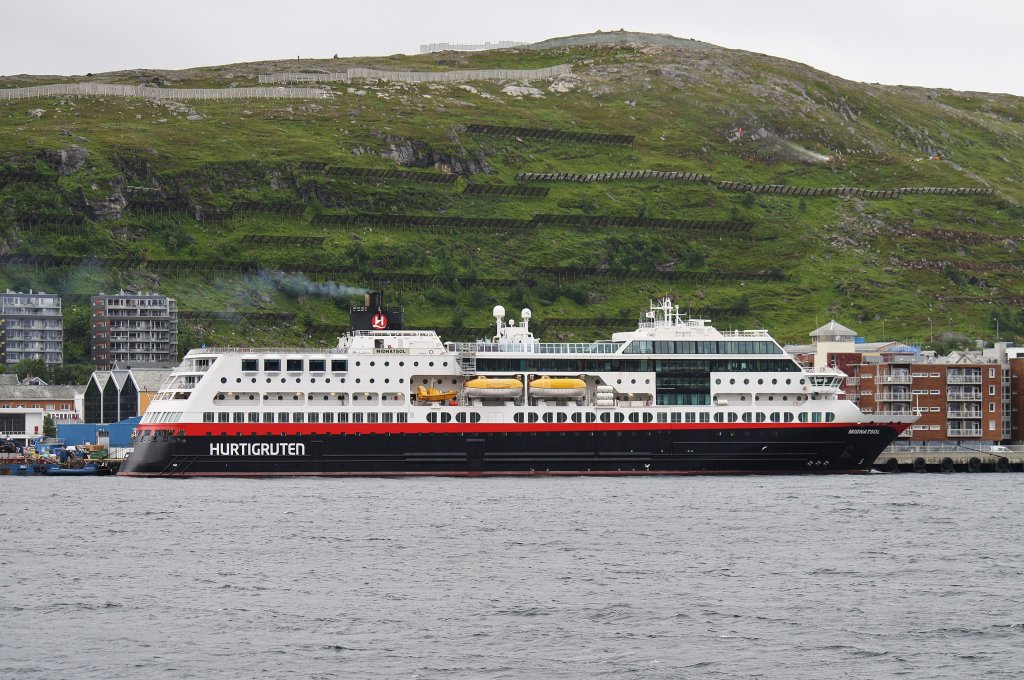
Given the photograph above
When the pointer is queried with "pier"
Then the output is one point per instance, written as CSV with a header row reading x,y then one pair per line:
x,y
951,460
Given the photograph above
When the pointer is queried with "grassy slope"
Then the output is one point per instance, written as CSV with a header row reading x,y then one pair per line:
x,y
953,260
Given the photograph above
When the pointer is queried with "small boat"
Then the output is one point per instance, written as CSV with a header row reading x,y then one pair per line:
x,y
557,388
433,394
482,387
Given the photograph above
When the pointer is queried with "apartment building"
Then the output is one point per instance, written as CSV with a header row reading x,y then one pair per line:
x,y
31,327
134,330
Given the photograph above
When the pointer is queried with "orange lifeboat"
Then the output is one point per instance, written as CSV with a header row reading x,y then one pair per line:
x,y
482,387
433,394
557,388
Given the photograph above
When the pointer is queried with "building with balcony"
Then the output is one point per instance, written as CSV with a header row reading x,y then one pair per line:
x,y
31,327
134,330
964,397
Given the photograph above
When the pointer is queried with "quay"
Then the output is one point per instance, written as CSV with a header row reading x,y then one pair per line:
x,y
950,461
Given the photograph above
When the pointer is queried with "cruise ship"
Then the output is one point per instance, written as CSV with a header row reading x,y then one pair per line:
x,y
675,396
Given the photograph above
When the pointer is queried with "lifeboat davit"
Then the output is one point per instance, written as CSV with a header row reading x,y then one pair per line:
x,y
493,388
557,388
433,394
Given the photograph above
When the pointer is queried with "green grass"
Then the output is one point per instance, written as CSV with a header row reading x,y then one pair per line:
x,y
908,260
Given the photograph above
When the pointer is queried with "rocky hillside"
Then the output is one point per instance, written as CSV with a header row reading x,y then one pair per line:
x,y
756,191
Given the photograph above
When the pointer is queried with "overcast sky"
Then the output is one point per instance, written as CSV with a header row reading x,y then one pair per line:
x,y
958,44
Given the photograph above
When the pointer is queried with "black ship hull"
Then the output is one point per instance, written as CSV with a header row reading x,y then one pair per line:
x,y
500,450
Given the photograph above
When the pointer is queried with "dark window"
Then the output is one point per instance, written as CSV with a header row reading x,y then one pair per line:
x,y
208,417
250,364
317,365
339,365
295,364
271,364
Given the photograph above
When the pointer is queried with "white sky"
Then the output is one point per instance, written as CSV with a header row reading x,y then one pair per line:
x,y
958,44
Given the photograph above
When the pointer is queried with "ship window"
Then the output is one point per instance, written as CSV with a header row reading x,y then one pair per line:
x,y
517,417
634,417
532,417
328,418
223,417
761,417
357,417
339,365
816,417
802,418
748,417
239,417
733,417
662,417
474,417
549,418
208,417
387,417
298,417
254,417
648,417
402,418
787,417
591,417
342,417
271,364
446,417
371,417
620,417
460,417
775,418
268,417
678,417
282,417
719,417
577,417
606,417
830,417
250,365
562,417
705,417
431,417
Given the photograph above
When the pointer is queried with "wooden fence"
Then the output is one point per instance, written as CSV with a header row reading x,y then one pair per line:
x,y
104,90
418,76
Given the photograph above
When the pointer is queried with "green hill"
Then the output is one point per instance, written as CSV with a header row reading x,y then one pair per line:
x,y
783,196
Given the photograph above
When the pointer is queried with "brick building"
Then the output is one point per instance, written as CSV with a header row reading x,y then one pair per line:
x,y
134,330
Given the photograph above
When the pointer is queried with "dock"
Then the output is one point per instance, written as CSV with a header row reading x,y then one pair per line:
x,y
949,461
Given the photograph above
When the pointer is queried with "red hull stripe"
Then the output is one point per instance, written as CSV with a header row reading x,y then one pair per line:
x,y
310,430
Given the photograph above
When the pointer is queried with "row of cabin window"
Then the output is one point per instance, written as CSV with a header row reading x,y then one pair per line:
x,y
702,347
295,365
303,417
648,417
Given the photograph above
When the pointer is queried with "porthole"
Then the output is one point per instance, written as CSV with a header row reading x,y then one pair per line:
x,y
732,381
223,380
775,381
358,379
788,381
760,381
445,363
357,363
254,380
238,380
372,363
431,364
718,381
268,380
387,363
371,379
746,381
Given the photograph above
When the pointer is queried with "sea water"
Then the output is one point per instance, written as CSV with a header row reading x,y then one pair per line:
x,y
875,576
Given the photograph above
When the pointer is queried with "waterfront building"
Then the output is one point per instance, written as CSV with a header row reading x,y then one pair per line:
x,y
60,402
138,330
117,394
966,397
31,327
